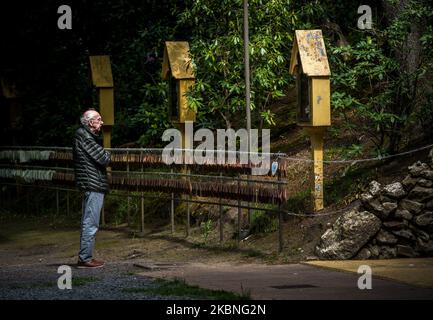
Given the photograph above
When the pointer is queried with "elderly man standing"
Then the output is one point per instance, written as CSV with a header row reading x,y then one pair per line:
x,y
90,160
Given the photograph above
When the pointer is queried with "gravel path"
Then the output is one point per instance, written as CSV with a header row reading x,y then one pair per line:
x,y
39,282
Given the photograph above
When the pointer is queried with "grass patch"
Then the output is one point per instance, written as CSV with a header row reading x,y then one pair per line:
x,y
81,281
298,202
254,254
263,222
180,288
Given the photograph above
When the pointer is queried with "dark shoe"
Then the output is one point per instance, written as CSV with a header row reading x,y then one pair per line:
x,y
90,264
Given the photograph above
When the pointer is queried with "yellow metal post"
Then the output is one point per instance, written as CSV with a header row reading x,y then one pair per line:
x,y
309,63
102,79
177,66
316,136
187,138
106,136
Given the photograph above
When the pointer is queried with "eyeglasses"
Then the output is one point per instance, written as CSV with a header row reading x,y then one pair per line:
x,y
97,119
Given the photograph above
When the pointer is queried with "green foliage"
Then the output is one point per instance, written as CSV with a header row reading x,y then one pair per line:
x,y
206,228
218,52
262,222
353,151
298,202
381,78
55,83
425,115
382,75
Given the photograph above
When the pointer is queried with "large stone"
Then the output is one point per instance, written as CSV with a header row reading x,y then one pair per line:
x,y
412,206
374,205
394,190
417,168
383,210
425,183
384,237
420,194
366,198
363,254
383,199
348,235
425,246
420,234
405,234
387,252
374,188
428,174
389,207
406,251
425,219
375,251
429,205
403,214
395,225
409,182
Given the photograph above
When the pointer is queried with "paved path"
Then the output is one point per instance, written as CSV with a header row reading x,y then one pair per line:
x,y
260,281
416,271
285,282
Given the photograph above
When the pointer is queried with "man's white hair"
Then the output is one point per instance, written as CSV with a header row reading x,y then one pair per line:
x,y
87,116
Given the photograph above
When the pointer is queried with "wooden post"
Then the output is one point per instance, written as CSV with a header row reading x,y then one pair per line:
x,y
67,203
239,212
67,199
221,218
142,198
128,200
188,216
172,211
221,223
37,202
103,216
57,203
280,220
142,213
27,200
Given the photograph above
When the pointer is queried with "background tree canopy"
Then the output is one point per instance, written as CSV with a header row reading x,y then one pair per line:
x,y
381,78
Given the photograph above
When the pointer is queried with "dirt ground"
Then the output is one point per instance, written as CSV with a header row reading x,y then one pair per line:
x,y
50,238
32,248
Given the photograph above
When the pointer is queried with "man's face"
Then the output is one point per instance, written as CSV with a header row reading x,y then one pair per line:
x,y
96,122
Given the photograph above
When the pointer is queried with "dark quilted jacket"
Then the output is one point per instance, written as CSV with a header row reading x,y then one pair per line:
x,y
90,161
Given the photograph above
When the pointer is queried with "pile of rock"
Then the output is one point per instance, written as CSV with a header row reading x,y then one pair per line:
x,y
395,220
